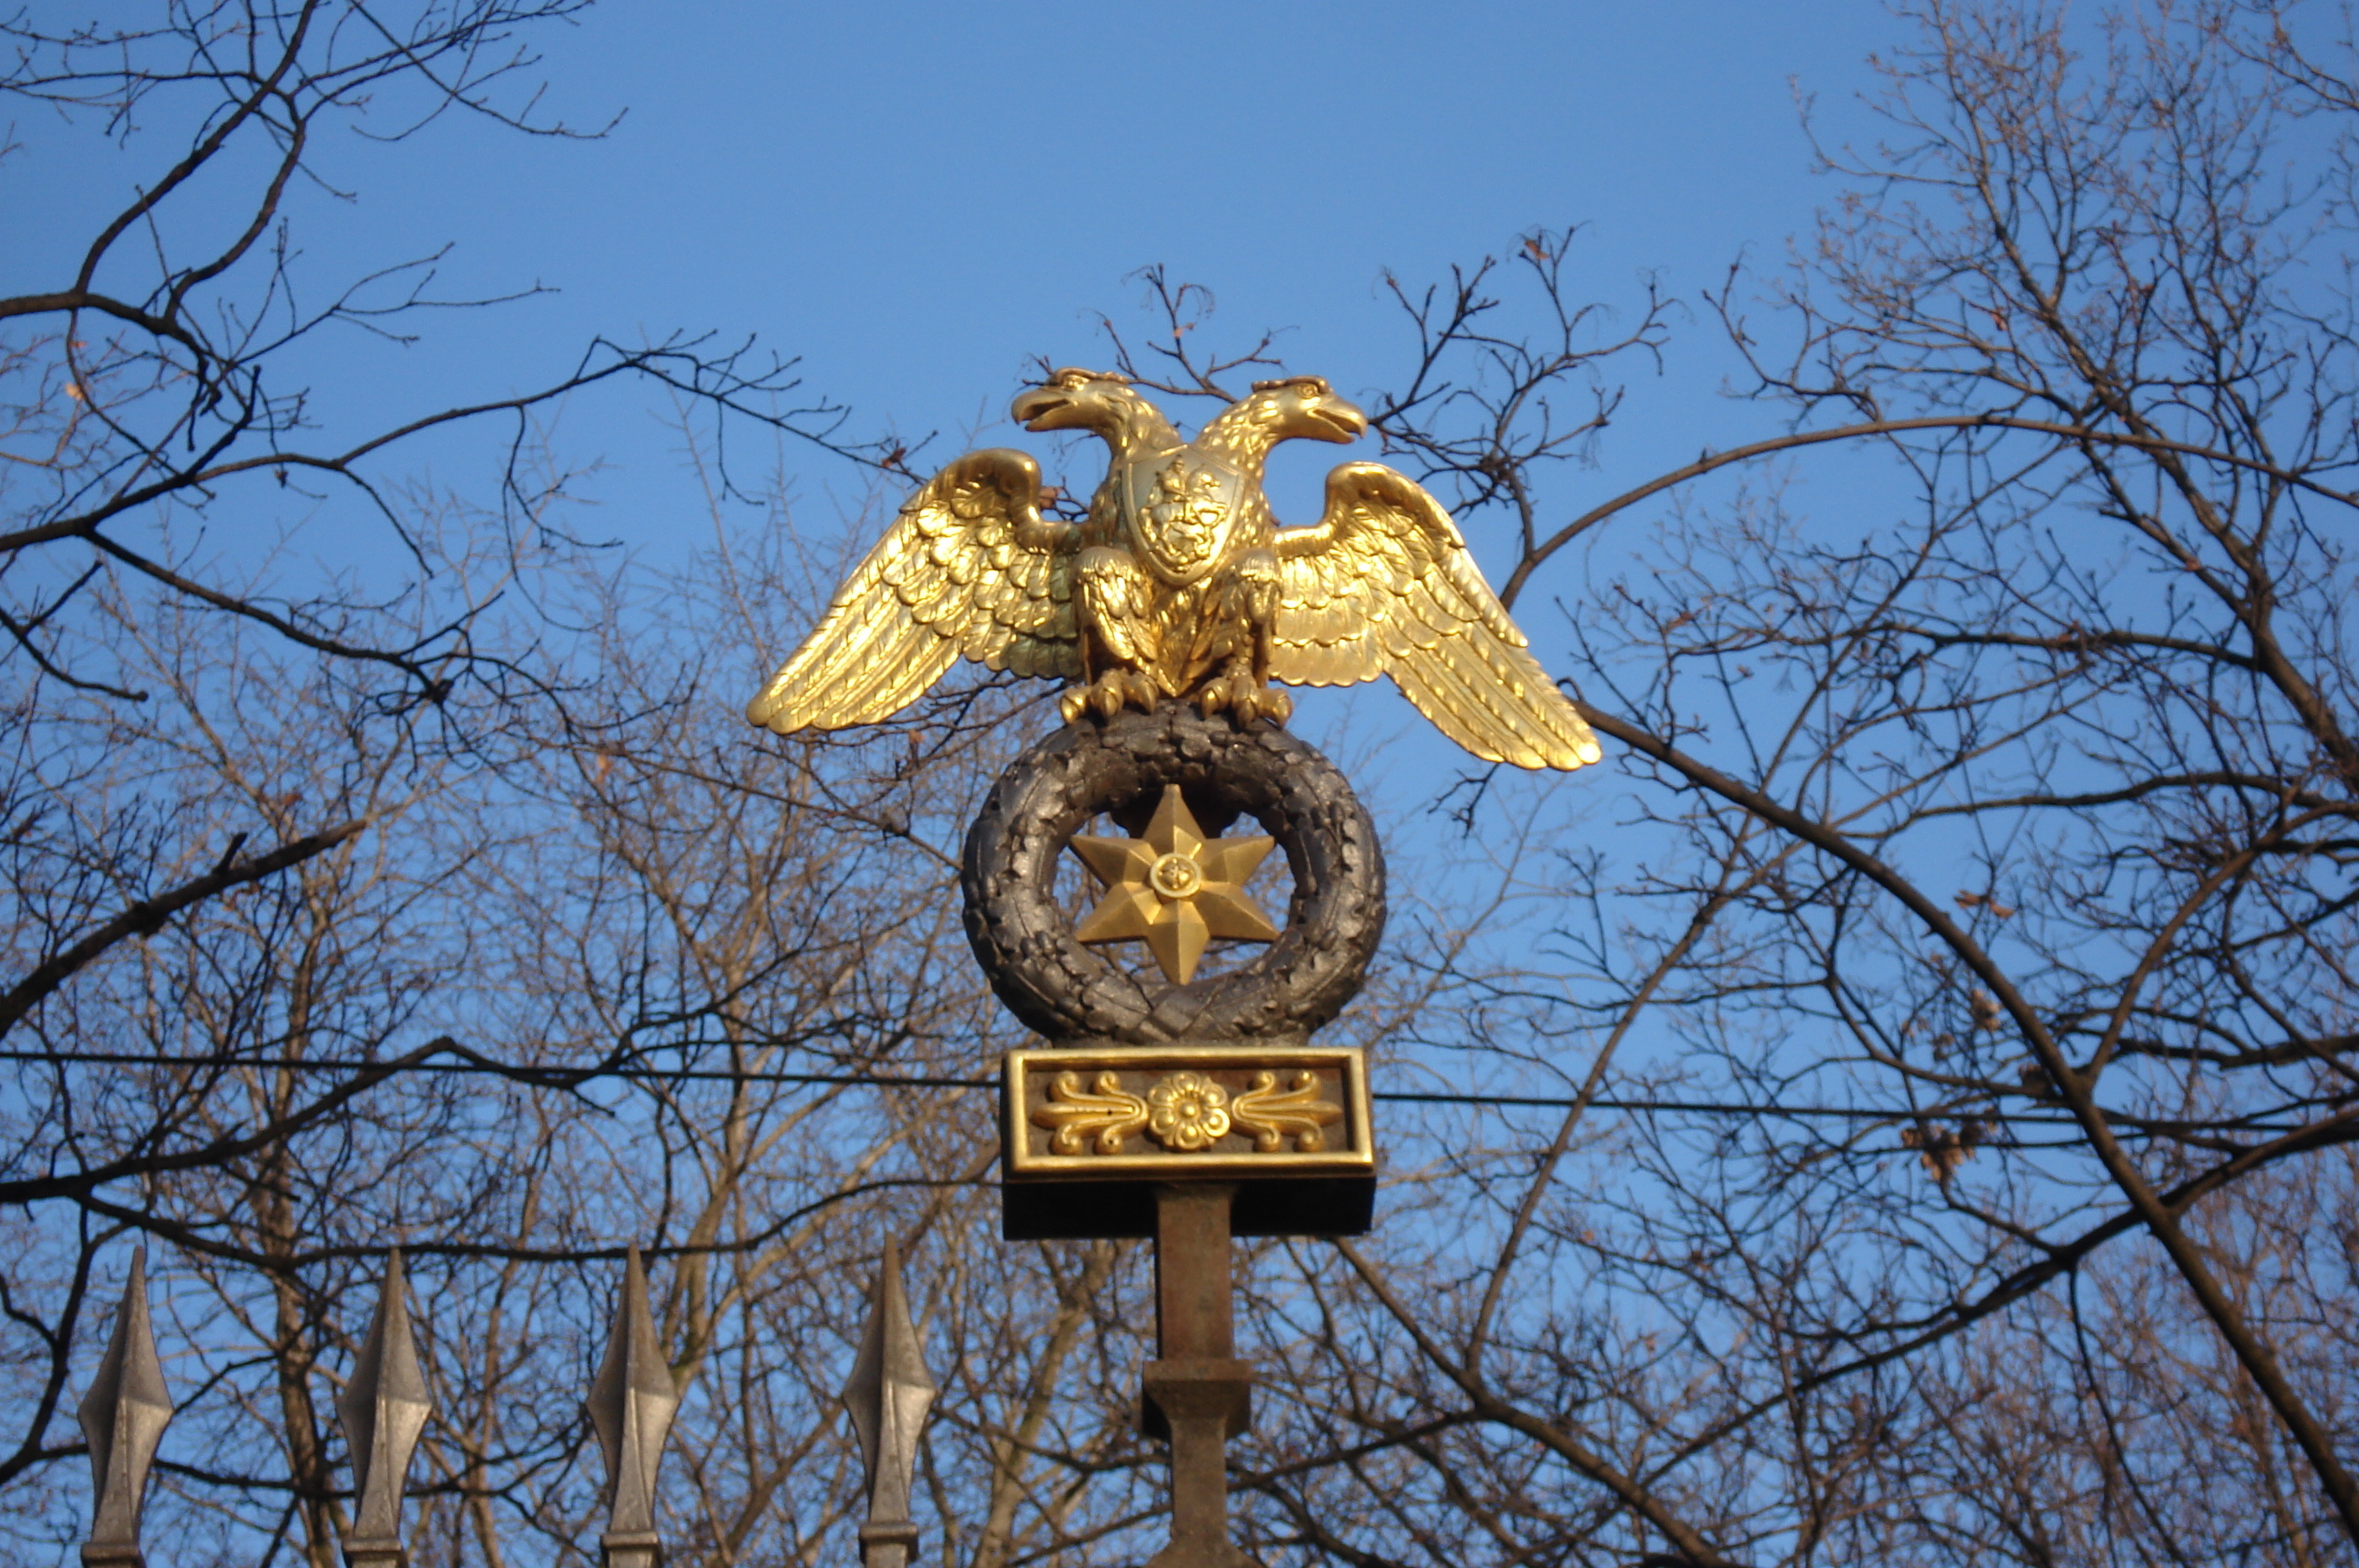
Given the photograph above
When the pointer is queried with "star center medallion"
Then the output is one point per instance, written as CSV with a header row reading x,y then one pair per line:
x,y
1176,877
1174,889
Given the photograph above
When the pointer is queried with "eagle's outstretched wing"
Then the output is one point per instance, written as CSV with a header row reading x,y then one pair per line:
x,y
1384,585
969,568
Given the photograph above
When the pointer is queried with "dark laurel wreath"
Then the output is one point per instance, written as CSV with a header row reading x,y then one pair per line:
x,y
1069,994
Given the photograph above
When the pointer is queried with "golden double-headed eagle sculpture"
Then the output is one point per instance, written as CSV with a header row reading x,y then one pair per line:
x,y
1180,585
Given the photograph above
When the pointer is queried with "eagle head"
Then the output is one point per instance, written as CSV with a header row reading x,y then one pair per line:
x,y
1074,400
1303,406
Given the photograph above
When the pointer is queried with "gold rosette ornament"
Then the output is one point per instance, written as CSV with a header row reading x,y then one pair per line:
x,y
1175,890
1188,1112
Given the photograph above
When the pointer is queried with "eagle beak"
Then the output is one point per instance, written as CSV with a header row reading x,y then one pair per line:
x,y
1032,409
1345,419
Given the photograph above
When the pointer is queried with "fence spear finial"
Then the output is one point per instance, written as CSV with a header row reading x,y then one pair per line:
x,y
632,1404
124,1416
383,1408
888,1395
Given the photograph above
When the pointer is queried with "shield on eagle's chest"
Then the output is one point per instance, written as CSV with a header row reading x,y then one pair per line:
x,y
1180,507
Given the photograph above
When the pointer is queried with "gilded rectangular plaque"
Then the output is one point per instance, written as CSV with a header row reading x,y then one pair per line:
x,y
1156,1113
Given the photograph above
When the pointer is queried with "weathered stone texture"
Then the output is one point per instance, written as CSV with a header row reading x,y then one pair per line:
x,y
1065,992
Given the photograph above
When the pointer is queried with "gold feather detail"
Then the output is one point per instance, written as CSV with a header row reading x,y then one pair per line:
x,y
969,568
1168,595
1385,585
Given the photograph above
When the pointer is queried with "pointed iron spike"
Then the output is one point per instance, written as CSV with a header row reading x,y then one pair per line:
x,y
383,1408
887,1396
632,1404
124,1416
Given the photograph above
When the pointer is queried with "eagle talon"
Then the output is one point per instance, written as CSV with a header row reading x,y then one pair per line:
x,y
1107,695
1245,699
1268,703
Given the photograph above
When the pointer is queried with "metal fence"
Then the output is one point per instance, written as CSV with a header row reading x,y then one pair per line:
x,y
385,1403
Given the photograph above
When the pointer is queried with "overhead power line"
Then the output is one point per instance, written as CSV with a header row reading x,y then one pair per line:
x,y
574,1078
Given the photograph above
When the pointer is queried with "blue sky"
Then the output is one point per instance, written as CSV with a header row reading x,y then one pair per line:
x,y
919,200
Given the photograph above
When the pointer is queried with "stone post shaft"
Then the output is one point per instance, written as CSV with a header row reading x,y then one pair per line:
x,y
1197,1394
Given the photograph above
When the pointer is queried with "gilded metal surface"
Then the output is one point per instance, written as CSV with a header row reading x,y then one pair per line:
x,y
1272,1114
1175,890
1075,1112
1180,584
1188,1112
1098,1117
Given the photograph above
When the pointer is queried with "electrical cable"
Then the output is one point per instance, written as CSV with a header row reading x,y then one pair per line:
x,y
560,1077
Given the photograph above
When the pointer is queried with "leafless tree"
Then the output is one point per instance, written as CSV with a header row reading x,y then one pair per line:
x,y
1899,1109
1987,837
246,795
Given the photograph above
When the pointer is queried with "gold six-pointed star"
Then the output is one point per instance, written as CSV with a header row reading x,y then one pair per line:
x,y
1175,890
